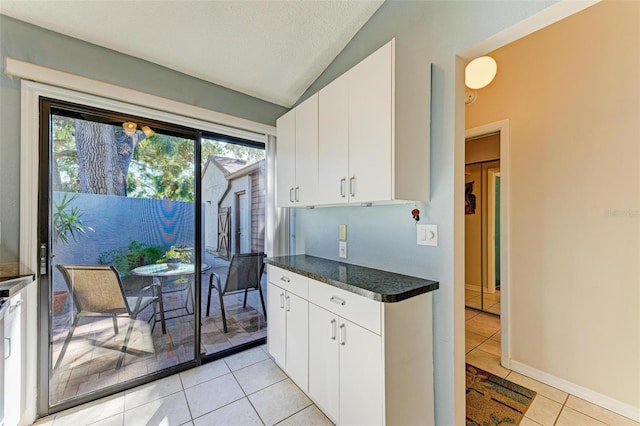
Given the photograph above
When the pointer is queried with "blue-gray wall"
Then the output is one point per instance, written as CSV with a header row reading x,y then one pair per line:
x,y
384,236
33,44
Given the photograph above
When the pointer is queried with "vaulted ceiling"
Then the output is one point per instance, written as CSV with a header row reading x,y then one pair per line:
x,y
270,49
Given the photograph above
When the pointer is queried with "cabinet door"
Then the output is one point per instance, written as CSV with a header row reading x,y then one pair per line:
x,y
333,141
285,159
276,331
323,360
13,368
370,127
306,189
297,340
361,395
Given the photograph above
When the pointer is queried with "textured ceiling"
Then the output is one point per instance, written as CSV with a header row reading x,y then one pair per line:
x,y
269,49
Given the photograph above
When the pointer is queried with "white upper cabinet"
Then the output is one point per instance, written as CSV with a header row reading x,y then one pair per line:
x,y
373,131
297,155
371,139
333,142
286,160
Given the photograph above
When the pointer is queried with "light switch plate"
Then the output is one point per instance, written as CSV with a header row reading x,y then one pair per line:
x,y
342,249
427,235
343,232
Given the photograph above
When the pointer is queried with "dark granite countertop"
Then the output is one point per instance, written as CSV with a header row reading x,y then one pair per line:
x,y
375,284
12,285
14,276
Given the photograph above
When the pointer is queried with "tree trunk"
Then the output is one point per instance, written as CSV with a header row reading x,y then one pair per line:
x,y
104,155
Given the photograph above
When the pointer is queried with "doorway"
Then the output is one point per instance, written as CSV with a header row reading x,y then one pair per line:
x,y
122,225
482,223
497,149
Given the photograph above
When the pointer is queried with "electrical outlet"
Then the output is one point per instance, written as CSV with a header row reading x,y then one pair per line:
x,y
342,249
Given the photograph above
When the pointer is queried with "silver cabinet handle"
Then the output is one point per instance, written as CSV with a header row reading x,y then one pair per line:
x,y
285,279
332,331
288,303
338,300
352,190
281,300
291,195
343,335
342,183
7,351
297,193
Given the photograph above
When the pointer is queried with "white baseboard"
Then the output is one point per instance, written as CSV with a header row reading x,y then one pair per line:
x,y
611,404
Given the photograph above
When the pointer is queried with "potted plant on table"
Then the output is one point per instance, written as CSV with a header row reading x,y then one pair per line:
x,y
174,256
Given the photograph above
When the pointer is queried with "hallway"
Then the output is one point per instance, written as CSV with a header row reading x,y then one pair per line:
x,y
551,406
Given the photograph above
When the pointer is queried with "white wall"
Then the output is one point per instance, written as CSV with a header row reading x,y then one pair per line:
x,y
572,94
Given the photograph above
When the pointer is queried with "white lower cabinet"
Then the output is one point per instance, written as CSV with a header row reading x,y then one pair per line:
x,y
363,362
324,360
288,331
345,369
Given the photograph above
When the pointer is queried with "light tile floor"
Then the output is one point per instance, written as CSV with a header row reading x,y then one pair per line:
x,y
243,389
551,406
249,389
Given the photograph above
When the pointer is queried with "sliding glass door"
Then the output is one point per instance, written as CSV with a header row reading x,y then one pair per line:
x,y
120,227
234,196
153,237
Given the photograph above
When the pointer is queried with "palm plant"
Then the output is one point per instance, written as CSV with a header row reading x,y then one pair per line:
x,y
68,220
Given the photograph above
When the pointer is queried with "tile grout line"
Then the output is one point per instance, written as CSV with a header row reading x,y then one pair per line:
x,y
561,409
248,399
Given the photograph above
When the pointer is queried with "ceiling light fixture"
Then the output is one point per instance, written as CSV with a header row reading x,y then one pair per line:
x,y
480,72
129,128
147,131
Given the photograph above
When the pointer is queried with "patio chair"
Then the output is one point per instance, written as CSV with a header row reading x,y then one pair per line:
x,y
97,291
245,273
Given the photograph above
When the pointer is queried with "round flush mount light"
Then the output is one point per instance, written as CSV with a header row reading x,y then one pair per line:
x,y
480,72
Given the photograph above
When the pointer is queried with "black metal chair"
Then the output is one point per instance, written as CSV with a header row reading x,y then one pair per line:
x,y
245,273
97,291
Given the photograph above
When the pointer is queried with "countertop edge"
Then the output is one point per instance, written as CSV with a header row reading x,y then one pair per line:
x,y
11,287
380,297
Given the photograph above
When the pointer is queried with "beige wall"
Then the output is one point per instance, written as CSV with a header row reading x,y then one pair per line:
x,y
572,94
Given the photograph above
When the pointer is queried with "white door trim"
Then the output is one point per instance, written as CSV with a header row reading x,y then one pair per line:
x,y
505,246
491,229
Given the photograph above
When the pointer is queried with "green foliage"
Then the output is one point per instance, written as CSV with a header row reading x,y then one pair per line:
x,y
127,258
65,154
182,253
68,220
162,166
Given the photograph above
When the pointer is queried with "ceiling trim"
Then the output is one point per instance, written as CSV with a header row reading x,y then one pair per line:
x,y
29,71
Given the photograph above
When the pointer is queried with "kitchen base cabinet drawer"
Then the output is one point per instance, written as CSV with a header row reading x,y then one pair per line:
x,y
359,309
290,281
